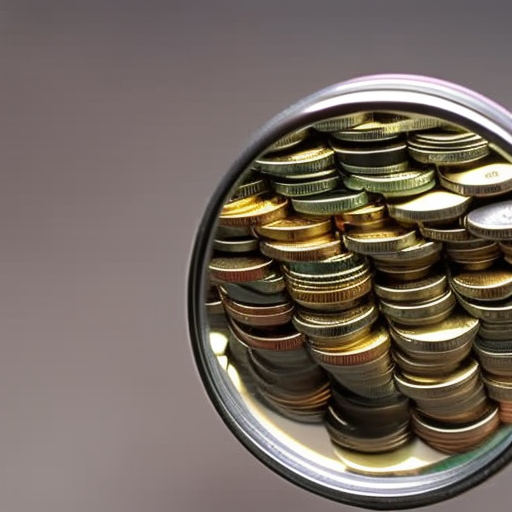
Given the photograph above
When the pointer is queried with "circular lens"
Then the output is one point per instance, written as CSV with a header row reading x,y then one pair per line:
x,y
350,292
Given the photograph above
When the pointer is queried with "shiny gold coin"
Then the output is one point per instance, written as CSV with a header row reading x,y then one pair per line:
x,y
330,203
313,249
364,215
304,161
294,229
263,211
492,284
239,269
434,206
331,299
241,205
484,180
428,288
368,131
380,241
371,347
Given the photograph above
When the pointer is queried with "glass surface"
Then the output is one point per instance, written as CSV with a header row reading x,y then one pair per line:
x,y
287,346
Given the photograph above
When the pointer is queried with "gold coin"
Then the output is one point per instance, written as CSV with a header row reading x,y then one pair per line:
x,y
419,387
427,288
493,284
484,180
263,211
436,205
304,161
380,241
239,269
294,229
318,248
335,325
290,140
371,347
455,234
365,214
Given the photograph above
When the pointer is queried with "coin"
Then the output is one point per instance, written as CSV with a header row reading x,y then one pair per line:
x,y
301,162
493,221
427,288
380,240
427,312
295,188
374,155
395,182
262,211
335,325
290,140
485,180
330,203
294,229
437,205
236,245
318,248
343,122
239,269
492,284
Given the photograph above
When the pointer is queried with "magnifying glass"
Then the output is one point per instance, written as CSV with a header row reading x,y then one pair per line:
x,y
350,292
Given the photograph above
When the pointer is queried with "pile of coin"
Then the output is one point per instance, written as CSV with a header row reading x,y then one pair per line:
x,y
363,266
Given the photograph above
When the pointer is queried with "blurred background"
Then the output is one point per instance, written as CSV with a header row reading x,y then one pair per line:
x,y
117,121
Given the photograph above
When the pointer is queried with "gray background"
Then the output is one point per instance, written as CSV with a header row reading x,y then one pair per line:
x,y
117,120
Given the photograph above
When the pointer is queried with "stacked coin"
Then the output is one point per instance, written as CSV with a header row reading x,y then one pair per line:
x,y
344,252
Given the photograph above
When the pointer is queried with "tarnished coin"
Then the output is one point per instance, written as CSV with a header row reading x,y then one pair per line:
x,y
236,245
434,206
239,269
452,439
493,221
428,312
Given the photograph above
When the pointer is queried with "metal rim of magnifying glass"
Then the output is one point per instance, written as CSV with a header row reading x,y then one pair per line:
x,y
407,93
